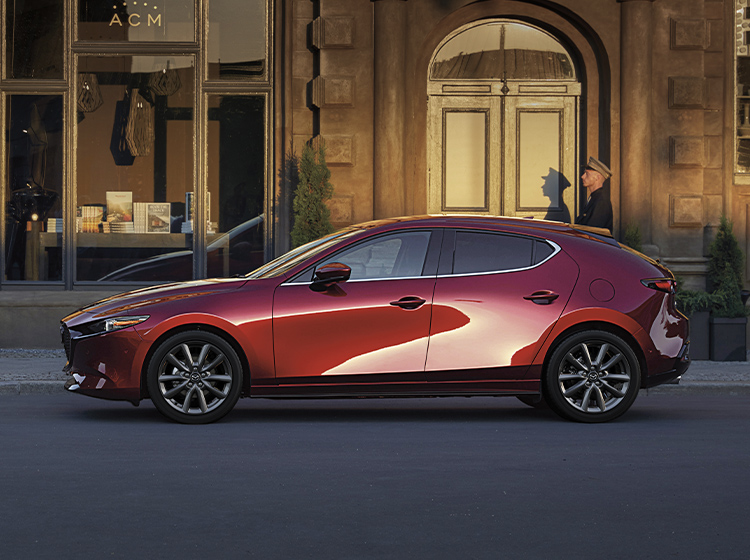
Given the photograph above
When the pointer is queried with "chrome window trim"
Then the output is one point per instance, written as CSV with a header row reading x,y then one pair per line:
x,y
556,249
356,280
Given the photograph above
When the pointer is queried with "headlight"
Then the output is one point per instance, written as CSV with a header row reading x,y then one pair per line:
x,y
111,324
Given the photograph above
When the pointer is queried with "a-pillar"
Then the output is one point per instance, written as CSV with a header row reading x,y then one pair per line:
x,y
635,116
390,76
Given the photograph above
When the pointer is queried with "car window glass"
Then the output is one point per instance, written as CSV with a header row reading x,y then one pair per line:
x,y
488,252
541,251
399,255
287,261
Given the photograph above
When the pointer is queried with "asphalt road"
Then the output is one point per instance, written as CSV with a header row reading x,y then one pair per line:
x,y
421,478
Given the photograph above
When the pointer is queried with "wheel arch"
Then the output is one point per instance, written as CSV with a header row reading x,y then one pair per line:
x,y
611,328
236,346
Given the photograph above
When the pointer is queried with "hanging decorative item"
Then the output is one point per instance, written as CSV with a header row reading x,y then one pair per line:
x,y
89,93
164,82
139,134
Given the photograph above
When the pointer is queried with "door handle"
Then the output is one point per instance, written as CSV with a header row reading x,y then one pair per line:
x,y
542,297
409,302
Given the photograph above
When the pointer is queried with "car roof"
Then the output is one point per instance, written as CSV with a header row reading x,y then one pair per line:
x,y
531,226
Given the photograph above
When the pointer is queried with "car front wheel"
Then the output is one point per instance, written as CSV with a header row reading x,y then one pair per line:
x,y
194,377
592,376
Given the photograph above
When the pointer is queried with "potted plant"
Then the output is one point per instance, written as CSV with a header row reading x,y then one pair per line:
x,y
728,323
695,305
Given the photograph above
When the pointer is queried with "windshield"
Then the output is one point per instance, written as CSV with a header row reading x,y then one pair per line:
x,y
287,261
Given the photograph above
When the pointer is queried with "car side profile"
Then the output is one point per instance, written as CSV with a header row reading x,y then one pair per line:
x,y
551,313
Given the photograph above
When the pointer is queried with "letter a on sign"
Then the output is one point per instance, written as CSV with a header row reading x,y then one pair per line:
x,y
115,19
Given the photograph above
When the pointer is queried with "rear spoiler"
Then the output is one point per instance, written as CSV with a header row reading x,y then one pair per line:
x,y
600,234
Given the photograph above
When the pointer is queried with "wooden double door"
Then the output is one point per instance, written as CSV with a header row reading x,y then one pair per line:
x,y
504,148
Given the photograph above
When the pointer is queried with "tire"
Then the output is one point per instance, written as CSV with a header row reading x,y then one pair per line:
x,y
194,377
592,376
534,401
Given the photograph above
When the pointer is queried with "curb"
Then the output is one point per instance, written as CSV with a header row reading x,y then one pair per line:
x,y
31,387
728,388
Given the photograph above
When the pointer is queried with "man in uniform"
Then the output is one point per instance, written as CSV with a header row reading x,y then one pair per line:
x,y
598,209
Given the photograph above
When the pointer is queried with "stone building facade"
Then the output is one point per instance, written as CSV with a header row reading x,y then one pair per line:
x,y
424,106
655,96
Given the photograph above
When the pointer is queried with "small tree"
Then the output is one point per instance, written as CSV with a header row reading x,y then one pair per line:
x,y
312,217
725,272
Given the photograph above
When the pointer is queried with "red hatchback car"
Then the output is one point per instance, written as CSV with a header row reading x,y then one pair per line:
x,y
553,314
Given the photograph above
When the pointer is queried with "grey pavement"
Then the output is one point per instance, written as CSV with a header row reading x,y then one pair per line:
x,y
24,371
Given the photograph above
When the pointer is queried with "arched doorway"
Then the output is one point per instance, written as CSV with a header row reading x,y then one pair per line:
x,y
503,100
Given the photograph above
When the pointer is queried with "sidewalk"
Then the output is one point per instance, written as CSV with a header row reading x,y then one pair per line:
x,y
40,371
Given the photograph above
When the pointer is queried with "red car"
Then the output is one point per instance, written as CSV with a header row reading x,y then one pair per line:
x,y
554,314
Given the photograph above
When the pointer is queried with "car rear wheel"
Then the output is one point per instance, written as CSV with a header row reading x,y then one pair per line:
x,y
194,377
593,376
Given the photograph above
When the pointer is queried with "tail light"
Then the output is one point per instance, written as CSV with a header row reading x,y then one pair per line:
x,y
660,284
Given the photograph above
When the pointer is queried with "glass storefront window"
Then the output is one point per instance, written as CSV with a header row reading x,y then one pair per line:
x,y
742,94
236,156
497,51
136,20
34,39
135,179
34,166
236,40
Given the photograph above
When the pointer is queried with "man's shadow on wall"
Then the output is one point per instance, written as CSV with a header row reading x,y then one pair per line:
x,y
553,187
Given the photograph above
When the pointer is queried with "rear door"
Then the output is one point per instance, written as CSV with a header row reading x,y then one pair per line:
x,y
511,289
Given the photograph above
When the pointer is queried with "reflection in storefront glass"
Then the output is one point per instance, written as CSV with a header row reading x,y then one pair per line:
x,y
134,168
236,179
34,38
33,219
498,51
136,21
236,40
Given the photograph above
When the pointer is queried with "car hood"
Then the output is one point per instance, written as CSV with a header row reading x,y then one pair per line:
x,y
129,303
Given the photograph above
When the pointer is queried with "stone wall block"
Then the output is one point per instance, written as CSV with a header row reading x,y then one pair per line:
x,y
688,93
687,151
332,91
715,36
303,9
715,93
713,181
713,65
342,209
333,33
713,123
340,149
712,209
714,149
299,93
688,34
685,211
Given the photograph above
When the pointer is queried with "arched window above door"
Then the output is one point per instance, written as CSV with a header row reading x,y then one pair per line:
x,y
499,50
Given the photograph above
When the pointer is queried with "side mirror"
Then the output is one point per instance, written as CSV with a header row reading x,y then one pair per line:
x,y
328,275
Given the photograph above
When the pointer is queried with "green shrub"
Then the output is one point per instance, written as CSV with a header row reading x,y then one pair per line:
x,y
725,273
692,301
312,217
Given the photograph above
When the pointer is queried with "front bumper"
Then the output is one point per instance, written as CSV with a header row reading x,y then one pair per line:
x,y
105,366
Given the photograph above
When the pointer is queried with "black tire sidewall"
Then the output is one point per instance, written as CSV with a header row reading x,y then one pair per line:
x,y
161,352
551,387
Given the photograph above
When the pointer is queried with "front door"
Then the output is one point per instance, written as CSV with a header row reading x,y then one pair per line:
x,y
377,322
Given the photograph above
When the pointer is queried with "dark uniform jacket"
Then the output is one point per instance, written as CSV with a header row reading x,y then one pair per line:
x,y
597,212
